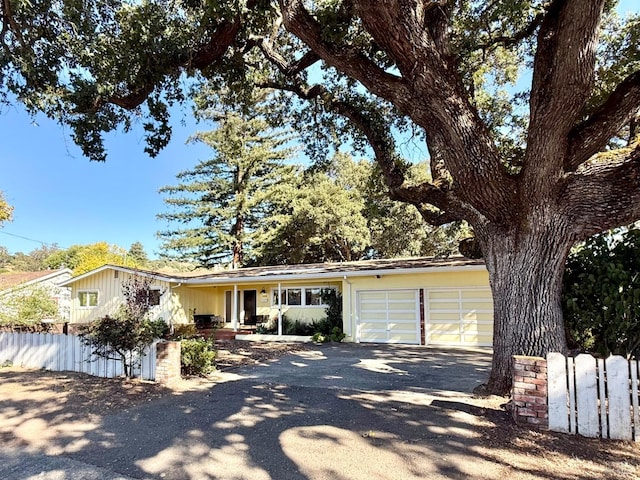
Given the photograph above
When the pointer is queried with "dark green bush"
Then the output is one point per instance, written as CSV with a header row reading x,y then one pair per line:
x,y
197,356
289,327
330,327
601,294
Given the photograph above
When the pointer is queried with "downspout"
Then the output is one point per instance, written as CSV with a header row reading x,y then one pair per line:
x,y
279,309
356,337
234,308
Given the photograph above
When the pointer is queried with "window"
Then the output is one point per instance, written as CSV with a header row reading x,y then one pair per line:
x,y
300,296
154,297
313,296
88,298
294,296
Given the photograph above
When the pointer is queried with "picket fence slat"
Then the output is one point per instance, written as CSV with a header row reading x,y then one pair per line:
x,y
619,398
573,420
557,392
587,396
634,399
58,352
595,398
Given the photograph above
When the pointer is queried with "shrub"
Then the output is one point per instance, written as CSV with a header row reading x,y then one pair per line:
x,y
197,356
330,327
185,331
601,294
27,308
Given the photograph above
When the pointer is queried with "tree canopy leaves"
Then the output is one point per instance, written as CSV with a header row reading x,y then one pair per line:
x,y
6,210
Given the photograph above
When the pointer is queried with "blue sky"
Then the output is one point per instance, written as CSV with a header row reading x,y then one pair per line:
x,y
60,197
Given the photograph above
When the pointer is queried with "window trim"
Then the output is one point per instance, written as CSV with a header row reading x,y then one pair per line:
x,y
303,296
88,291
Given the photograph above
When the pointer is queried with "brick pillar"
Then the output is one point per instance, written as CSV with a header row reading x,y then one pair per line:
x,y
529,391
167,362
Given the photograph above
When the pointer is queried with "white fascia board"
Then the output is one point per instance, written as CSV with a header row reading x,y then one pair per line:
x,y
128,270
324,275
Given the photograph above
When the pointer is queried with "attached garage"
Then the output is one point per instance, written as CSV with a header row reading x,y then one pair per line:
x,y
458,316
388,316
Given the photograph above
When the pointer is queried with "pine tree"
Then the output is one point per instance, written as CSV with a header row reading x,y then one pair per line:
x,y
222,209
137,255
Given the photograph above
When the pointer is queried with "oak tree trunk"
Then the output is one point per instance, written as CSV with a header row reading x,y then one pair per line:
x,y
525,271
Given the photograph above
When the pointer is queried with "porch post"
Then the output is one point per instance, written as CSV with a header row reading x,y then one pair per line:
x,y
234,308
279,309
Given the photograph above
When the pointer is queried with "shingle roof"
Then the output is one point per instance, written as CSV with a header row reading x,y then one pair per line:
x,y
14,279
314,270
340,268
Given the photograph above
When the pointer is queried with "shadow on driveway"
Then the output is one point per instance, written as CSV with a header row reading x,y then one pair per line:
x,y
341,412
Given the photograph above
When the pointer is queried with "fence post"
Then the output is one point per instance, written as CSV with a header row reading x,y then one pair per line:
x,y
167,362
529,391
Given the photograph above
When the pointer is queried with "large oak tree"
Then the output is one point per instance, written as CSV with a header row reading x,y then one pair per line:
x,y
532,172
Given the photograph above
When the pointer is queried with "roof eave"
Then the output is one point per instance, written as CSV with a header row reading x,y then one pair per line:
x,y
324,275
132,271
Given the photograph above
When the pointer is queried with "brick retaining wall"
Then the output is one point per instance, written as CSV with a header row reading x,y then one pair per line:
x,y
529,391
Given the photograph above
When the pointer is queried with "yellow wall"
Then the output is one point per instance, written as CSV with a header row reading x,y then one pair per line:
x,y
174,302
467,290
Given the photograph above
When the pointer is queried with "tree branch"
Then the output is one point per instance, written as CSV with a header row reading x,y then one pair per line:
x,y
203,56
9,23
592,135
510,40
605,192
220,40
298,21
286,68
562,76
438,194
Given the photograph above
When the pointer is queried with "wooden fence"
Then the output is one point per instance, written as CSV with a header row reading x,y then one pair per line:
x,y
593,397
58,353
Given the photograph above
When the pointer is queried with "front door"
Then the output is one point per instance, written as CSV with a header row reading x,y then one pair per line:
x,y
250,297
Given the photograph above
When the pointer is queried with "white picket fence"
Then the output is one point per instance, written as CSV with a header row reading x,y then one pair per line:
x,y
59,353
593,398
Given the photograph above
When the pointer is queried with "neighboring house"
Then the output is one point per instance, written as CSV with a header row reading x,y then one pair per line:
x,y
19,282
413,301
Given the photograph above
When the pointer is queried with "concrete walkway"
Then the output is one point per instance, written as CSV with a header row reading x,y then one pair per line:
x,y
335,412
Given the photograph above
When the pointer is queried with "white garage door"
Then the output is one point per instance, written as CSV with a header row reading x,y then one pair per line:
x,y
388,316
459,317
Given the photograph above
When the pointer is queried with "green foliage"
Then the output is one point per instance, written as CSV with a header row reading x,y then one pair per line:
x,y
336,335
126,335
225,207
197,356
26,308
601,297
83,258
343,212
184,331
323,223
330,327
332,298
137,255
